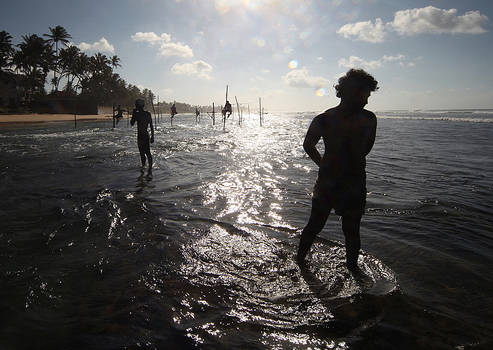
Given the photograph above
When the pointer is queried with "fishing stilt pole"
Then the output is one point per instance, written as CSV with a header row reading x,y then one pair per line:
x,y
239,114
153,110
75,113
260,109
113,115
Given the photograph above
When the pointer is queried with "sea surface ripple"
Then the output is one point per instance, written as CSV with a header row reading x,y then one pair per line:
x,y
97,253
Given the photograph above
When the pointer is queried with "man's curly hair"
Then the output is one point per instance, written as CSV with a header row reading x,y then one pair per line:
x,y
355,78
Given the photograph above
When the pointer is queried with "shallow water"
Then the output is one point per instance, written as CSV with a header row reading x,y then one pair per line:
x,y
97,253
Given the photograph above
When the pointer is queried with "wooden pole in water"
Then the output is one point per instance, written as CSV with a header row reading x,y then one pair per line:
x,y
128,117
75,113
113,115
260,109
171,112
224,120
239,115
153,110
213,115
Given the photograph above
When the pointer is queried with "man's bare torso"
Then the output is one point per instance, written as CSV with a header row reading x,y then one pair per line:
x,y
348,138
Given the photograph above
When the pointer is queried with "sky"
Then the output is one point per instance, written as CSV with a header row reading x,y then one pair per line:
x,y
425,54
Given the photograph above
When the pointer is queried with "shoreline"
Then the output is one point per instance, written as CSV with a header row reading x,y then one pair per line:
x,y
34,118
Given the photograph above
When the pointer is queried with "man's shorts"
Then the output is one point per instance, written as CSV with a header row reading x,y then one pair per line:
x,y
346,196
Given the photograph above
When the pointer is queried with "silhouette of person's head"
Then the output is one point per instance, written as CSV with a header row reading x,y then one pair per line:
x,y
355,87
139,104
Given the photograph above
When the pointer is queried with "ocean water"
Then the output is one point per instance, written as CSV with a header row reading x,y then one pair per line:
x,y
97,253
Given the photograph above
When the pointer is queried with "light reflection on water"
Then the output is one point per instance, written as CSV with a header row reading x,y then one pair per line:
x,y
200,252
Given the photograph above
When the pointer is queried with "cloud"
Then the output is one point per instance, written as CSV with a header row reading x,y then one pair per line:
x,y
409,22
398,57
301,78
151,37
175,49
166,46
364,31
99,46
358,62
436,21
199,68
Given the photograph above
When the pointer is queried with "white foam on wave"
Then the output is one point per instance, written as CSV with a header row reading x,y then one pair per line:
x,y
452,119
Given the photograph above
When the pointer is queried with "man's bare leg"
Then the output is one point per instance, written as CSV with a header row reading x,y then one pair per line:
x,y
318,218
351,228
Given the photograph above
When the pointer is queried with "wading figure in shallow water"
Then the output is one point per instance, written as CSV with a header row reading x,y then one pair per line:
x,y
348,131
119,113
143,119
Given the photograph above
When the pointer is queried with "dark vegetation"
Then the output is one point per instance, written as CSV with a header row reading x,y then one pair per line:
x,y
79,82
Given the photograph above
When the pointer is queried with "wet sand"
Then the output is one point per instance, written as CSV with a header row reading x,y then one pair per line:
x,y
44,118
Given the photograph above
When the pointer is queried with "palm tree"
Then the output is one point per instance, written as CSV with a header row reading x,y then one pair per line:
x,y
68,64
6,49
115,61
34,59
100,64
56,35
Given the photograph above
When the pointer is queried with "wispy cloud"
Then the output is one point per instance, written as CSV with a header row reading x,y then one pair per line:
x,y
102,45
302,78
416,21
358,62
364,31
199,69
151,37
166,46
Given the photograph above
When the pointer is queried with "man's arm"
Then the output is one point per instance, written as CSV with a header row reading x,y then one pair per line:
x,y
312,137
373,133
132,121
152,128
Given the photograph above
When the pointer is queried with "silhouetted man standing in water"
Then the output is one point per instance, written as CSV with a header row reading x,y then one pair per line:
x,y
143,119
348,131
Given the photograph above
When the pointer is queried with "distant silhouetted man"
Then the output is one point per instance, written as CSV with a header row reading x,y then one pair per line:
x,y
348,131
119,113
227,109
173,110
143,119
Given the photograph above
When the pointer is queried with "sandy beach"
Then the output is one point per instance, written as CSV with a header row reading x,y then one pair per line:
x,y
43,118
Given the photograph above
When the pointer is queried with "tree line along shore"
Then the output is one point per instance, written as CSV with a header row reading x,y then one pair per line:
x,y
79,83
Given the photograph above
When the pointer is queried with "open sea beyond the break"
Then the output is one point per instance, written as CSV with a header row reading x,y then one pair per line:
x,y
96,253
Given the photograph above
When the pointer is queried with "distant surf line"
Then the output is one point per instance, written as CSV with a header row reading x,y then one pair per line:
x,y
469,120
